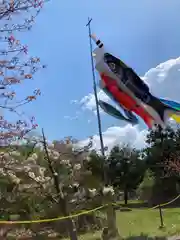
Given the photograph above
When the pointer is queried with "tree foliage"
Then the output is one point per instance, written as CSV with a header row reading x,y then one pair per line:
x,y
16,67
162,145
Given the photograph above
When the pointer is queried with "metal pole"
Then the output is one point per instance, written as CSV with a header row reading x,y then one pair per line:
x,y
97,104
161,217
95,90
111,215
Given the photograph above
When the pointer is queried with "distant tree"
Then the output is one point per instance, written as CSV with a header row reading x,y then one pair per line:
x,y
99,180
161,145
145,188
95,164
126,169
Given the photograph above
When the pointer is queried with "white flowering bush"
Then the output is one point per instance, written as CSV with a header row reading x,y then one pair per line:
x,y
27,181
108,191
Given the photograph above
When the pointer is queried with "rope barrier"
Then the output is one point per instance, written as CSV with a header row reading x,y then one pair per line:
x,y
167,203
55,219
84,212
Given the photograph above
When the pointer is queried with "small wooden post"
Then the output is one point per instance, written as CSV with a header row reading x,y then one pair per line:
x,y
161,217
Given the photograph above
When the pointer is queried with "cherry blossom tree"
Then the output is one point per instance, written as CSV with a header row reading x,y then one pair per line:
x,y
19,15
16,66
172,165
50,175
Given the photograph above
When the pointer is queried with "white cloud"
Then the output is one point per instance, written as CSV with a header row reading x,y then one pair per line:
x,y
71,118
164,82
116,135
88,102
89,120
74,102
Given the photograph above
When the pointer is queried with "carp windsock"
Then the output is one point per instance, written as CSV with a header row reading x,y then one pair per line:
x,y
130,91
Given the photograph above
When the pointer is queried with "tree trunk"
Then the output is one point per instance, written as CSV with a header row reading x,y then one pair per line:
x,y
63,205
72,229
4,230
111,231
125,195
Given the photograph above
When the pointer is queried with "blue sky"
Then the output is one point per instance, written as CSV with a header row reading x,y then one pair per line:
x,y
143,33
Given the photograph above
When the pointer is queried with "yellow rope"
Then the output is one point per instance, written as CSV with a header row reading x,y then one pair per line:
x,y
167,203
79,214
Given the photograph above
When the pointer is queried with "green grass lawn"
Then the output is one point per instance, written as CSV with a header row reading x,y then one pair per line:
x,y
135,201
146,222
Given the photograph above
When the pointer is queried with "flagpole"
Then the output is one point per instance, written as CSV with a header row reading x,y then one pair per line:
x,y
111,215
95,90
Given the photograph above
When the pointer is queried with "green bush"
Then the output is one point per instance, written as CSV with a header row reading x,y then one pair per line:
x,y
145,189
